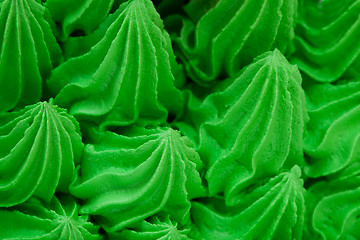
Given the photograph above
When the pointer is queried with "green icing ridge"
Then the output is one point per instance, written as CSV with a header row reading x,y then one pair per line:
x,y
274,210
40,145
213,48
28,50
58,220
96,85
326,42
127,178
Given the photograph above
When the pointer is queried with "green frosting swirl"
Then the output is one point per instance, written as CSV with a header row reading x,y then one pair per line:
x,y
327,42
34,221
127,178
79,15
154,228
251,129
27,49
332,137
214,45
272,211
332,207
121,85
39,146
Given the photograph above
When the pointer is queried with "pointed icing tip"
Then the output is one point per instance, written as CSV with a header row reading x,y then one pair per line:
x,y
295,170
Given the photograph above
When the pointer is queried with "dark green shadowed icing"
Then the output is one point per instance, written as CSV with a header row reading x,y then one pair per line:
x,y
251,129
59,220
274,210
40,146
117,85
327,42
28,50
154,228
332,138
127,178
82,16
221,37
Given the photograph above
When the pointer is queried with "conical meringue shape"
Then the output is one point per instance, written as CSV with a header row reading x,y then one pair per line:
x,y
251,129
231,33
127,178
332,136
327,39
27,49
155,228
80,15
127,73
272,211
39,147
35,221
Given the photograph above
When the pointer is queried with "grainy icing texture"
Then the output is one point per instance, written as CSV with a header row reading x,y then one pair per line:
x,y
179,119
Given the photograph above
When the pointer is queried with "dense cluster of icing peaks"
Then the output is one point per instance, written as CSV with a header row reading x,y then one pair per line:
x,y
145,171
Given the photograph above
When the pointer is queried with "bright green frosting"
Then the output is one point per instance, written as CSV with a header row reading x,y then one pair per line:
x,y
229,34
332,207
39,146
35,221
154,228
327,43
121,85
80,15
274,210
251,129
332,137
27,49
127,178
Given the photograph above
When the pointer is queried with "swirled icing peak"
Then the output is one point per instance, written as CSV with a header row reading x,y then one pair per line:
x,y
272,211
251,129
154,228
326,41
122,85
332,137
332,206
40,145
79,15
127,178
27,51
230,34
35,221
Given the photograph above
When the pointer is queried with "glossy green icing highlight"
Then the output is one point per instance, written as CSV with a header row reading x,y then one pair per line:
x,y
59,220
28,50
127,178
274,210
252,128
327,42
83,16
40,145
212,44
120,86
332,138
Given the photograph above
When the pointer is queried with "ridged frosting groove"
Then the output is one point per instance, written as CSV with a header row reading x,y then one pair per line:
x,y
332,206
332,138
40,145
27,49
327,32
251,129
127,178
272,211
79,15
154,228
122,85
214,45
58,220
